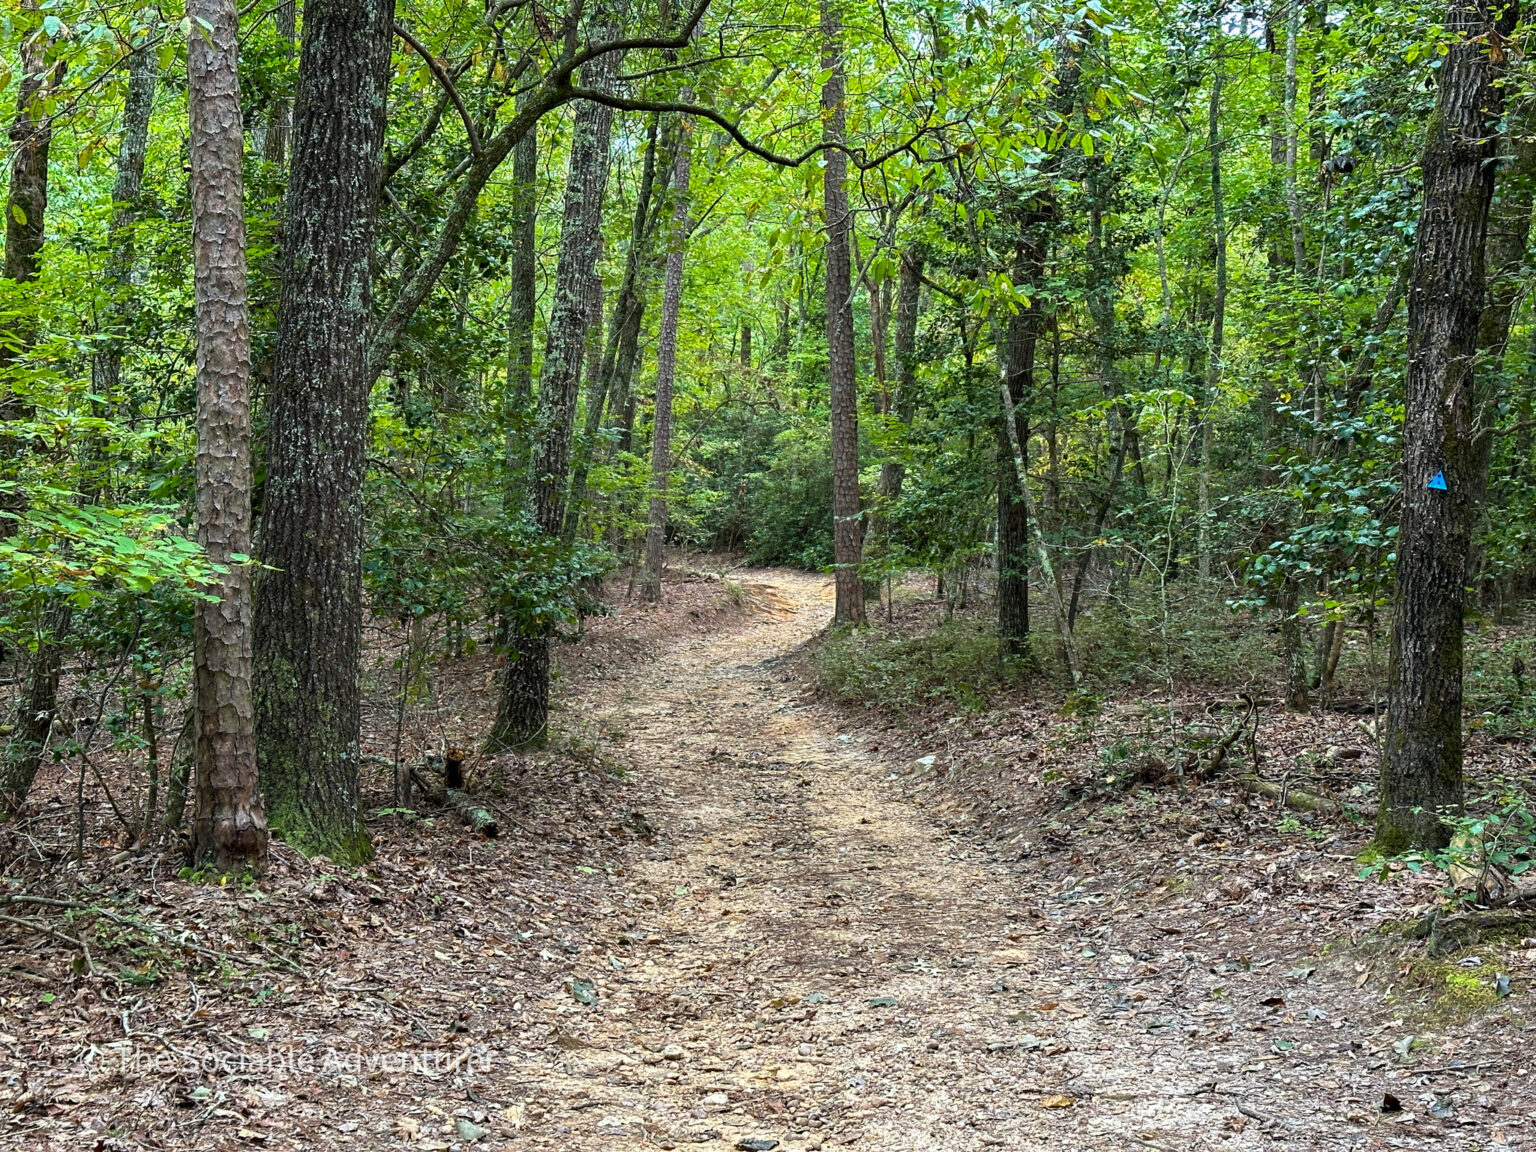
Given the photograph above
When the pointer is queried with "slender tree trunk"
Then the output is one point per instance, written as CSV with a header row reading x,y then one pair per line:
x,y
628,310
1292,131
1012,555
847,533
274,149
522,712
1364,368
1421,766
1218,325
517,406
1048,572
1016,355
229,828
31,139
143,74
310,609
904,402
666,370
26,210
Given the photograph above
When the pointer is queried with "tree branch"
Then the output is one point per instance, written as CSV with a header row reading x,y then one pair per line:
x,y
860,158
440,73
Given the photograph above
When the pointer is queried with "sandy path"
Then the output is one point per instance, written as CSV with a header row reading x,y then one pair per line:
x,y
804,958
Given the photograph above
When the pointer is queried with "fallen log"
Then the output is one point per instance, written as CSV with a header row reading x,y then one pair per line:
x,y
476,816
1294,798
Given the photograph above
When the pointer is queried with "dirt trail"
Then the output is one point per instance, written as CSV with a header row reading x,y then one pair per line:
x,y
805,958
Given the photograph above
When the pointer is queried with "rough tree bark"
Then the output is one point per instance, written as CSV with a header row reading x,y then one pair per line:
x,y
1421,768
847,534
522,711
309,602
229,829
666,371
31,139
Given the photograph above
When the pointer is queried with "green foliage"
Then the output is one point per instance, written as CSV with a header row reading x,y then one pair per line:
x,y
791,501
1494,839
957,663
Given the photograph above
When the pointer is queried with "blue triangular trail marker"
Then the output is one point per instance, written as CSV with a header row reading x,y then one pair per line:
x,y
1437,482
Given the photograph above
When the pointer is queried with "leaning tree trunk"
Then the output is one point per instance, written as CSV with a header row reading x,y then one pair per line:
x,y
522,712
847,535
310,610
229,829
666,371
1421,781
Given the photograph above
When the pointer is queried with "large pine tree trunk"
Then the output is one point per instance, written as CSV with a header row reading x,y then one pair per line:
x,y
522,713
847,533
309,617
1421,766
666,372
229,829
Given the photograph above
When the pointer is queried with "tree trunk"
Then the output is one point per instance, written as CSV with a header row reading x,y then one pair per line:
x,y
522,315
1218,326
31,139
26,209
1016,443
37,709
1292,130
1421,779
623,329
522,713
1012,555
847,533
904,402
229,827
310,609
143,74
666,370
274,148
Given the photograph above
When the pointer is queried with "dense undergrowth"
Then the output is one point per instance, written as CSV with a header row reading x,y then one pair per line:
x,y
1139,640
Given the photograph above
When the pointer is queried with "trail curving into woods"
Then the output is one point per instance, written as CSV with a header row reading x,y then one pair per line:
x,y
808,959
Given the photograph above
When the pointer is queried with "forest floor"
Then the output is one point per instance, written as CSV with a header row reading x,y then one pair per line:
x,y
724,913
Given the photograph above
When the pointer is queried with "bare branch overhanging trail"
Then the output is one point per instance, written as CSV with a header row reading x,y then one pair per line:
x,y
806,957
